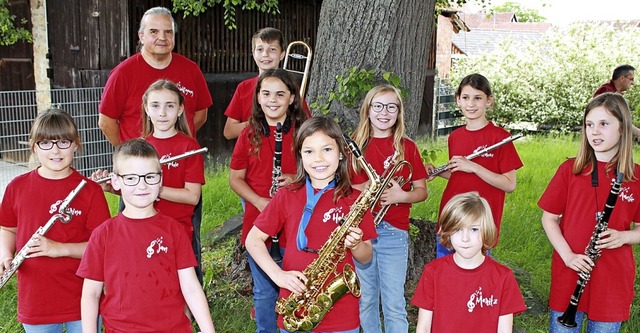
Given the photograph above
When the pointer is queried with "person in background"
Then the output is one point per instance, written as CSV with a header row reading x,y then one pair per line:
x,y
621,80
267,47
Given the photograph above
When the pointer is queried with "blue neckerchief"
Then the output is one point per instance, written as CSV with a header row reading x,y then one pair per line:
x,y
312,200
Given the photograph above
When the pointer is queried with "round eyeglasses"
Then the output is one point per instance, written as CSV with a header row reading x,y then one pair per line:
x,y
377,107
132,179
48,144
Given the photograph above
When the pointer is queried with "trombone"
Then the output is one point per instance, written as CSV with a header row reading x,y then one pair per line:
x,y
307,66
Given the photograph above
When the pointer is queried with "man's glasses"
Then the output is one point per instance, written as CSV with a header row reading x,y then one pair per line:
x,y
377,107
48,144
132,179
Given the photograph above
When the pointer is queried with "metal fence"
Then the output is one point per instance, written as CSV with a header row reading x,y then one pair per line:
x,y
18,110
446,115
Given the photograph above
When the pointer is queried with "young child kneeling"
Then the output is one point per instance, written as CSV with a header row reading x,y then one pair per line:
x,y
142,258
467,291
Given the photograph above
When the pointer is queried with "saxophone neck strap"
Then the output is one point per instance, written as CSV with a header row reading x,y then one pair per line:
x,y
312,200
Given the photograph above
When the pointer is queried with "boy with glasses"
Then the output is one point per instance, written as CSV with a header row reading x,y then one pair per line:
x,y
141,258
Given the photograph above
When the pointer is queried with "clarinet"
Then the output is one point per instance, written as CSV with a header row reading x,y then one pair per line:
x,y
445,167
62,215
275,175
568,318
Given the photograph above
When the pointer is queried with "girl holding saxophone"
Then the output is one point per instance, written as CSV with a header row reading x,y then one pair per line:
x,y
48,274
381,135
570,203
276,100
309,212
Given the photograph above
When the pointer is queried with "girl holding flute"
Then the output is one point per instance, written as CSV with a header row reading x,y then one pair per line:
x,y
492,174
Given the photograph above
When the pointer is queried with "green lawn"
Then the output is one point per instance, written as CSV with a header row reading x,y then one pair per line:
x,y
523,244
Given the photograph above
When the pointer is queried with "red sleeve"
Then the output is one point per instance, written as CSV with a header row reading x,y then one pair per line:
x,y
512,301
423,297
412,155
204,96
554,198
114,96
240,155
99,209
92,262
194,165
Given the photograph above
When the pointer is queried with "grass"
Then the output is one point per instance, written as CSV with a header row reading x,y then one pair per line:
x,y
523,244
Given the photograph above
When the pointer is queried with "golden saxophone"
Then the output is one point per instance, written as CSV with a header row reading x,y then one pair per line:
x,y
305,311
62,216
386,177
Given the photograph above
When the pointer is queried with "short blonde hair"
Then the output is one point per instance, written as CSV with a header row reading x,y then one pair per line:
x,y
463,210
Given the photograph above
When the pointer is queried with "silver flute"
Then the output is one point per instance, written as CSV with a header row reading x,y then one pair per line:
x,y
445,167
62,216
166,160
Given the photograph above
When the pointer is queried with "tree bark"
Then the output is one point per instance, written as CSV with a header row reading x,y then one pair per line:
x,y
385,35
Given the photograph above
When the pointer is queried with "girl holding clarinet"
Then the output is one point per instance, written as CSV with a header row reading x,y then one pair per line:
x,y
48,289
276,101
492,174
570,203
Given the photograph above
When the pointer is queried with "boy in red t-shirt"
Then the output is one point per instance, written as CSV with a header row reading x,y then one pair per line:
x,y
141,258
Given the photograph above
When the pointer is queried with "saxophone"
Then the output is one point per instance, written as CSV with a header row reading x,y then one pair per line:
x,y
305,311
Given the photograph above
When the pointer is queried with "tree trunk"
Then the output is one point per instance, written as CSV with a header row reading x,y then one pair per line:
x,y
384,35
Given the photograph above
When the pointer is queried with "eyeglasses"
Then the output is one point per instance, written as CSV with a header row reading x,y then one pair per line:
x,y
48,144
132,179
377,107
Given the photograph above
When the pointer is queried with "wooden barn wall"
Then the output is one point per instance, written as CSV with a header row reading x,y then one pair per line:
x,y
16,61
85,40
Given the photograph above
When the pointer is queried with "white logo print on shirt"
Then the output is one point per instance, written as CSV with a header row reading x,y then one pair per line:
x,y
184,90
333,214
487,154
169,165
626,195
477,298
70,210
156,247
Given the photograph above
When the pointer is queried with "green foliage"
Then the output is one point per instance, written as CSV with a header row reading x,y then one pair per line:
x,y
197,7
549,82
353,86
9,32
523,14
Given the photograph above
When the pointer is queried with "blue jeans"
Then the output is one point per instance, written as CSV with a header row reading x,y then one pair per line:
x,y
265,295
382,281
70,326
196,243
355,330
592,326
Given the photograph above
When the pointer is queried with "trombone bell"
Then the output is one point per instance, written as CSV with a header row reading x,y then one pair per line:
x,y
297,56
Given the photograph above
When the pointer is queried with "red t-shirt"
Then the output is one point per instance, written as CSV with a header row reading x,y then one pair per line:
x,y
122,95
609,292
467,300
138,261
177,173
284,212
241,103
48,289
259,170
607,87
378,154
463,142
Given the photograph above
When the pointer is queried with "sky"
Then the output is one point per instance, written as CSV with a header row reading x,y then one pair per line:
x,y
563,12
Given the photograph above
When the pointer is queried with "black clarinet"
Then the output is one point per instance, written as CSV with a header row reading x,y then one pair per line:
x,y
275,174
568,318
